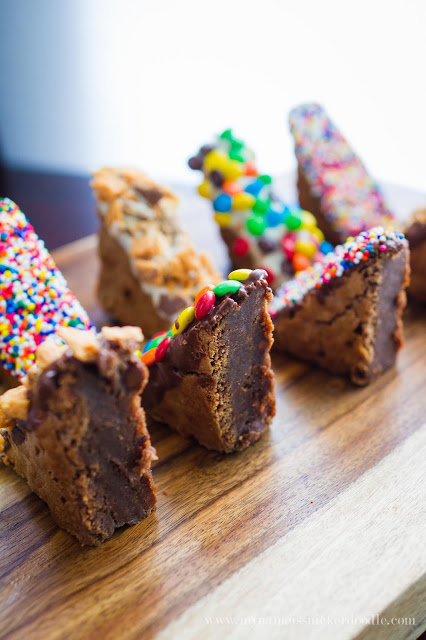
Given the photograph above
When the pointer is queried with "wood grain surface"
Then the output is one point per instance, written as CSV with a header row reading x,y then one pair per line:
x,y
307,534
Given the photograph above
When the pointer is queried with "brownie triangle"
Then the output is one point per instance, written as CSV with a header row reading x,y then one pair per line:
x,y
75,430
344,314
214,381
415,232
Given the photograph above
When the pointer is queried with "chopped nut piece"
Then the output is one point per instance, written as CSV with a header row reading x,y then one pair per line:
x,y
47,352
128,334
83,344
14,404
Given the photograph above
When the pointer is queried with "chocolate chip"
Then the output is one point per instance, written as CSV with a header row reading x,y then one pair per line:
x,y
206,149
266,245
195,163
217,178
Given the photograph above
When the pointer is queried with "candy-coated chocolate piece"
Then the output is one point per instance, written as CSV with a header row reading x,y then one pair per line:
x,y
300,262
261,206
228,286
243,201
231,188
239,274
307,249
256,225
208,287
254,188
222,204
240,247
223,219
161,349
205,190
148,358
274,218
184,319
204,304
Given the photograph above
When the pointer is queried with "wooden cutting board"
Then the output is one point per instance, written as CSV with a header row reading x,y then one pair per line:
x,y
313,532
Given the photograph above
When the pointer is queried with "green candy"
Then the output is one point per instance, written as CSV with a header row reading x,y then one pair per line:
x,y
265,179
234,155
293,221
229,286
237,145
226,135
156,342
256,225
261,206
169,333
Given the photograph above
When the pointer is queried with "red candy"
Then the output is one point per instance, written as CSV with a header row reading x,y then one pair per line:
x,y
240,247
161,349
270,276
204,304
288,244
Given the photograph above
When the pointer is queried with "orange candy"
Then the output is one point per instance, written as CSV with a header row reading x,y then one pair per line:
x,y
209,287
300,262
148,357
231,188
250,169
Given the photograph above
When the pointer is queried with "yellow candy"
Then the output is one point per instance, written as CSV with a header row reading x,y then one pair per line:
x,y
232,170
223,219
308,220
243,201
318,234
307,249
183,320
205,190
239,274
215,160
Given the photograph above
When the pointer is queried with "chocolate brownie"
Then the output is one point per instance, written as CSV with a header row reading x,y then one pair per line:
x,y
332,181
149,267
212,379
345,314
415,232
258,227
75,430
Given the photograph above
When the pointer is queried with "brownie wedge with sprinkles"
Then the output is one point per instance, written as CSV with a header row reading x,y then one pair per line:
x,y
210,375
415,232
74,428
332,180
344,314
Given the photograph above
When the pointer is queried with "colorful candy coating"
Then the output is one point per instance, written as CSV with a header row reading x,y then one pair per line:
x,y
34,296
223,219
161,349
204,304
245,204
184,319
222,203
202,291
228,286
148,358
239,274
240,247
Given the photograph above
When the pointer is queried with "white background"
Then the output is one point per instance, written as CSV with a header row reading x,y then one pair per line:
x,y
92,82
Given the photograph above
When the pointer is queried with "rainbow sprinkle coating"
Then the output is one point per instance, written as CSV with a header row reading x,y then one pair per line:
x,y
34,296
281,239
335,264
350,199
156,348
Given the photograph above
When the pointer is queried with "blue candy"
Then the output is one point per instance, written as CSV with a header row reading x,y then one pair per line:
x,y
326,247
222,203
254,188
274,218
